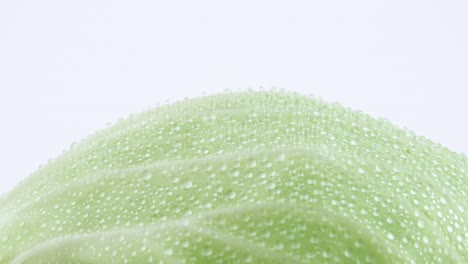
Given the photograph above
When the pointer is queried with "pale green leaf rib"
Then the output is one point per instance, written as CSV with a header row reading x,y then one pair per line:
x,y
242,244
402,196
192,224
136,171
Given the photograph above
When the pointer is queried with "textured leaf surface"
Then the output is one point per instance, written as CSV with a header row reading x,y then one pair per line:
x,y
257,177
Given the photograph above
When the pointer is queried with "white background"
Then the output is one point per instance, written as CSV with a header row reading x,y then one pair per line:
x,y
69,67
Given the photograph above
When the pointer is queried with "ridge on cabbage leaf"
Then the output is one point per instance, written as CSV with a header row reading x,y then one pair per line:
x,y
251,177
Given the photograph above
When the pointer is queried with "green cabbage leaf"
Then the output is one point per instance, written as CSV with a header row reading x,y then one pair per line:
x,y
248,177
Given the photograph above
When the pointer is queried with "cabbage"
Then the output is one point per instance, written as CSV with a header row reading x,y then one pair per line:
x,y
249,177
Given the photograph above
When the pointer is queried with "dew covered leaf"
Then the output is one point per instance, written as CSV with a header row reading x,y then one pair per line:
x,y
253,177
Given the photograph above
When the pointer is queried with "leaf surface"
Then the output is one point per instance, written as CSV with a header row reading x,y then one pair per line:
x,y
255,177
